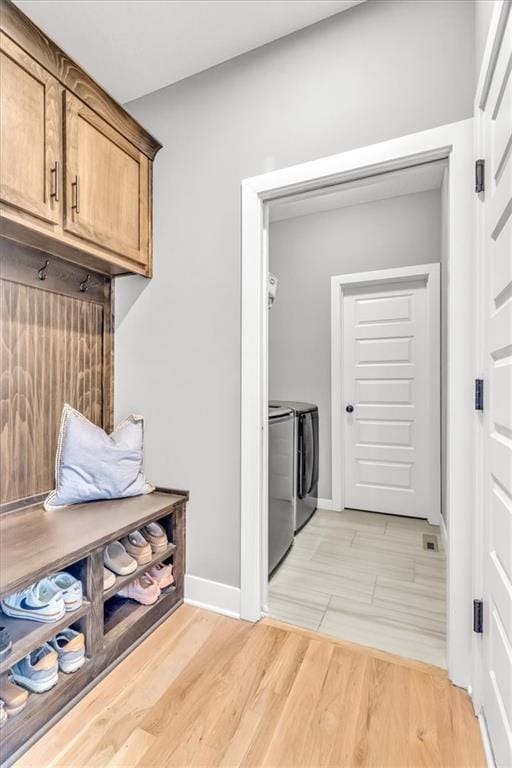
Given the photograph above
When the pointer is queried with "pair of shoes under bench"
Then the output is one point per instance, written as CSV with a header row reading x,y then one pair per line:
x,y
70,648
47,600
143,543
148,587
144,590
39,670
71,589
136,549
117,560
155,535
13,696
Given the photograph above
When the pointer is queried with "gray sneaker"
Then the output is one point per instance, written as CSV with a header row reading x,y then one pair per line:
x,y
39,671
5,643
70,648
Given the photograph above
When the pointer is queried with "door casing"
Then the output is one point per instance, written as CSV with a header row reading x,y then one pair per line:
x,y
376,279
454,143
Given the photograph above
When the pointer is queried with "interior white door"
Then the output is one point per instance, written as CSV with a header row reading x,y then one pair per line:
x,y
391,391
495,254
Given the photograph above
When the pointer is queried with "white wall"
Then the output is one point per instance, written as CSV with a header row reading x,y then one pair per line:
x,y
380,70
304,254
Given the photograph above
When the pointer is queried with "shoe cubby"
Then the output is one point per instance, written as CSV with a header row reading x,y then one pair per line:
x,y
125,618
34,544
121,581
41,711
27,635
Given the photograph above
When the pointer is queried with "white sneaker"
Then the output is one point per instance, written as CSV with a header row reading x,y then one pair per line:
x,y
42,601
70,648
71,589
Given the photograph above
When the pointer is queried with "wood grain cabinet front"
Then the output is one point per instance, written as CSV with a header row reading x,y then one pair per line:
x,y
30,168
107,185
75,167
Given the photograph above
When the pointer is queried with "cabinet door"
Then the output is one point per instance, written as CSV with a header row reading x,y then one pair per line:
x,y
29,134
107,185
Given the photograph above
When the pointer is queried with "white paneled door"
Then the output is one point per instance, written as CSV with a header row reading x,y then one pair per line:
x,y
391,394
494,117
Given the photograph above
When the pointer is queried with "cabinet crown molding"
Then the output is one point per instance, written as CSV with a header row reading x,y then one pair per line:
x,y
19,27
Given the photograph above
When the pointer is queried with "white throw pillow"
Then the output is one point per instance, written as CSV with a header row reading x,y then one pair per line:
x,y
91,465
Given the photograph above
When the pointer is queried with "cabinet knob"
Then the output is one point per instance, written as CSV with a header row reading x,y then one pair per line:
x,y
349,408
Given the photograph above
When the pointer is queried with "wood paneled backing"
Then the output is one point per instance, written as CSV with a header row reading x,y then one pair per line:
x,y
21,264
51,352
25,33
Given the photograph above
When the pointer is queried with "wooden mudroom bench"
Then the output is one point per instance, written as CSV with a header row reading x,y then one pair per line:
x,y
35,543
75,214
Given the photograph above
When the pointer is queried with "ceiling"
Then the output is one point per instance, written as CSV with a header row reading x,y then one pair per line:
x,y
133,47
408,181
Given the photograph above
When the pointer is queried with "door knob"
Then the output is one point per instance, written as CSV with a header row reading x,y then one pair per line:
x,y
349,408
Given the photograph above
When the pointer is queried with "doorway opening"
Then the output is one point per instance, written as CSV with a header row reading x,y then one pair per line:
x,y
355,472
452,145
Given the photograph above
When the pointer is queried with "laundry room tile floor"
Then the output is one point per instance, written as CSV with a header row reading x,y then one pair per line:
x,y
367,578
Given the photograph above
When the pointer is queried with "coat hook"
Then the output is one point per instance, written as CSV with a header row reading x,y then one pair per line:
x,y
43,272
83,284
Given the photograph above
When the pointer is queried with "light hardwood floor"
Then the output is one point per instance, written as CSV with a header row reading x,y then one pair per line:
x,y
366,577
205,690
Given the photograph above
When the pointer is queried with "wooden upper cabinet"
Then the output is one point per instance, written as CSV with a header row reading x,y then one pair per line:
x,y
29,134
75,167
107,184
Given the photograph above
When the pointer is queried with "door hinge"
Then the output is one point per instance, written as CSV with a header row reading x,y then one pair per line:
x,y
479,176
478,616
479,394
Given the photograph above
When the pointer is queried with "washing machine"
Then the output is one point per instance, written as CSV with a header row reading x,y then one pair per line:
x,y
306,458
281,484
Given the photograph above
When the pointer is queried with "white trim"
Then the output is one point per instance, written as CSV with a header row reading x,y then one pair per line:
x,y
380,277
444,533
454,142
383,276
486,742
212,595
329,505
497,26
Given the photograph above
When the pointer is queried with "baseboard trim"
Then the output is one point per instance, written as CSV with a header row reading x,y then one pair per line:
x,y
213,596
328,504
486,742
